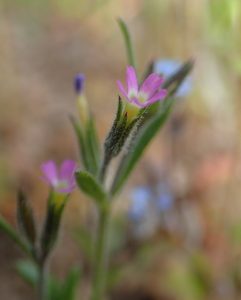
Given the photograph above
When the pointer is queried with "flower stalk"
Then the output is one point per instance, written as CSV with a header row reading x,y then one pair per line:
x,y
101,254
42,287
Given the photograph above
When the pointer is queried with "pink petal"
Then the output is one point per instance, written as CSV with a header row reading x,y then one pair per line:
x,y
122,89
131,78
50,173
158,96
67,170
151,84
138,103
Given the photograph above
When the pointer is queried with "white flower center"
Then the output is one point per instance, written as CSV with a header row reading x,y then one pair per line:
x,y
142,97
62,184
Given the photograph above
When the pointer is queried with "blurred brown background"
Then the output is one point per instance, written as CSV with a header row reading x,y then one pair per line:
x,y
43,45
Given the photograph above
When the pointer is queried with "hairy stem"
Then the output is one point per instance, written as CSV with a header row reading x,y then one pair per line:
x,y
104,166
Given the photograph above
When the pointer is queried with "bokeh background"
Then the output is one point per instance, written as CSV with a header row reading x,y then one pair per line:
x,y
191,247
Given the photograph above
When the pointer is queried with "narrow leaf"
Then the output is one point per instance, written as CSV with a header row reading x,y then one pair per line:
x,y
128,43
25,218
12,233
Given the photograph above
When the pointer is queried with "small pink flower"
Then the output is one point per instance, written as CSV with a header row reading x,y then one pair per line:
x,y
149,92
62,180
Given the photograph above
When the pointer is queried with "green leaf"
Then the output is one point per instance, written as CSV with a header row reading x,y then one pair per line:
x,y
91,187
144,137
128,43
25,218
28,271
12,233
70,285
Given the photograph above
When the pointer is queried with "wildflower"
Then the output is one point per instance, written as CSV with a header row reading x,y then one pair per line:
x,y
165,198
62,180
83,108
139,207
148,93
168,67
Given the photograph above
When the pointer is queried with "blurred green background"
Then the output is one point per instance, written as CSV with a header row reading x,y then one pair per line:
x,y
43,45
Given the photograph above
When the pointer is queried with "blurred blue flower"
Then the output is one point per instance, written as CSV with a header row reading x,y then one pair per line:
x,y
165,199
167,67
140,197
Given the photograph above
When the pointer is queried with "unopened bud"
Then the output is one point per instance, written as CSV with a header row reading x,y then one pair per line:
x,y
79,83
81,100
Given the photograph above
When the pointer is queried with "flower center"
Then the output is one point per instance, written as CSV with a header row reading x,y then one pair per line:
x,y
62,184
132,94
142,97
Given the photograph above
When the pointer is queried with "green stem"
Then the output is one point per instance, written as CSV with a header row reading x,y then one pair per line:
x,y
42,288
105,163
100,267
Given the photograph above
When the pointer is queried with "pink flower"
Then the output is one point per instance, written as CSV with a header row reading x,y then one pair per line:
x,y
149,92
62,180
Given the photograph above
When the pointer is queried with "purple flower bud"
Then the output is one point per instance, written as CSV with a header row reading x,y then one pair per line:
x,y
79,83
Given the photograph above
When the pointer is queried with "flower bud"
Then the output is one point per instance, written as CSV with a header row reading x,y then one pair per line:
x,y
79,83
81,99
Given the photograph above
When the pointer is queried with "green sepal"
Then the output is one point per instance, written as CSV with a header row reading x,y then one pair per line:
x,y
55,207
92,147
25,218
88,145
120,131
81,143
142,140
91,187
118,137
112,135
